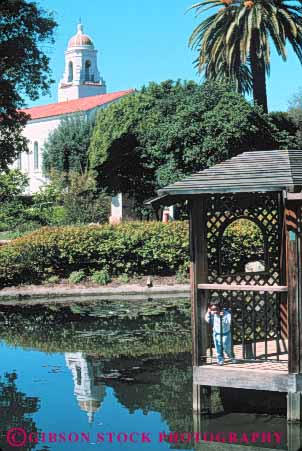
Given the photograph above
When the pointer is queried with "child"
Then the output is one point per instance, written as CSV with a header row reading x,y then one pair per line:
x,y
220,320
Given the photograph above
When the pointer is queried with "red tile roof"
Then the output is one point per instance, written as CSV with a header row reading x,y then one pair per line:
x,y
72,106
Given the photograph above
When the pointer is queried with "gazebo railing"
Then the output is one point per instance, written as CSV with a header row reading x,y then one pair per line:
x,y
256,319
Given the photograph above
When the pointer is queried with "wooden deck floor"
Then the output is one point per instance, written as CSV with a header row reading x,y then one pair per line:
x,y
273,361
252,365
261,374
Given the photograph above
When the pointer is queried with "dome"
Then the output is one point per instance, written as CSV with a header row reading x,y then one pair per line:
x,y
80,39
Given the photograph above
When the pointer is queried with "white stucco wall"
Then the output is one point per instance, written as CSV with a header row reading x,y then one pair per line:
x,y
36,131
72,91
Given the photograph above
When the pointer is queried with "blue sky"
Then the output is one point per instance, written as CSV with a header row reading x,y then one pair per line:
x,y
142,41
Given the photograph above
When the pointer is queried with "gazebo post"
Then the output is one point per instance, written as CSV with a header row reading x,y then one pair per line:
x,y
198,274
293,240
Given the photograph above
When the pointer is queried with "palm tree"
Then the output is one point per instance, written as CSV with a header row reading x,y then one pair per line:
x,y
235,41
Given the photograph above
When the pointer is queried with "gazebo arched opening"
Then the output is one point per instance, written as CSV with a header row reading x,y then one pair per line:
x,y
242,247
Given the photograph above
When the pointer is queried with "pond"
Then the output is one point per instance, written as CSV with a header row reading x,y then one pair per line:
x,y
116,375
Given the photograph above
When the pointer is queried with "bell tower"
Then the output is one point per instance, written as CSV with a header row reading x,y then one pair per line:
x,y
81,77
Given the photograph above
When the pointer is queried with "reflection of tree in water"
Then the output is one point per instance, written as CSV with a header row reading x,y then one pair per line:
x,y
15,411
163,386
106,328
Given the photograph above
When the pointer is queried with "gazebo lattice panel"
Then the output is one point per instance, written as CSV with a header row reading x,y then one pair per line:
x,y
263,210
255,315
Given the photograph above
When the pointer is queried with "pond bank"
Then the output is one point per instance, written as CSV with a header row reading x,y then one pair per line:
x,y
45,294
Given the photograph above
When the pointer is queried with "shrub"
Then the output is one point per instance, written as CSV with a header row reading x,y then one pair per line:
x,y
77,276
52,279
12,185
83,203
55,205
72,199
128,248
12,214
182,275
101,277
123,278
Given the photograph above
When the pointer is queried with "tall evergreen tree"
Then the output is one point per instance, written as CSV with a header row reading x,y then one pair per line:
x,y
67,146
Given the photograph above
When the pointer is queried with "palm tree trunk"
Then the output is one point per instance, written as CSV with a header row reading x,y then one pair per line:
x,y
258,74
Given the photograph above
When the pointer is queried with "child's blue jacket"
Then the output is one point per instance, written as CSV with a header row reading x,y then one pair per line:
x,y
215,321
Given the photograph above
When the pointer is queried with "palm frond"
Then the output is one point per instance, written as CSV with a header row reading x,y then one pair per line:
x,y
226,39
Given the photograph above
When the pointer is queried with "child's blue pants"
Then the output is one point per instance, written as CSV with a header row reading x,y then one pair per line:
x,y
226,346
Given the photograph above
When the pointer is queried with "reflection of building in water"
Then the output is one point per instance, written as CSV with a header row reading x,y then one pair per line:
x,y
86,371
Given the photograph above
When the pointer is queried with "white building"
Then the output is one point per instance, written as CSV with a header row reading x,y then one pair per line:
x,y
81,89
81,76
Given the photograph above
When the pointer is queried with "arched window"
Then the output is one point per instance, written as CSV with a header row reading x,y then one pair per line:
x,y
19,163
87,70
242,248
70,71
36,155
79,375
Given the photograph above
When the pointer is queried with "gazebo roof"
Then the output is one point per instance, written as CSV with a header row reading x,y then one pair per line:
x,y
255,171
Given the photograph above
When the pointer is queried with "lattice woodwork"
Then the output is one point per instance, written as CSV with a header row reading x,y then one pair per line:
x,y
264,210
255,315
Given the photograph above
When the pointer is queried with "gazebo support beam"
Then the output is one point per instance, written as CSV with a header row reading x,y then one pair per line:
x,y
198,274
294,261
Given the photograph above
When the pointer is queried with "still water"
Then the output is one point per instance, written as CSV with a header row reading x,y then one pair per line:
x,y
115,376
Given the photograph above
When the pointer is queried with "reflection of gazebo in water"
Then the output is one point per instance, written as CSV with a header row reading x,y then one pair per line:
x,y
86,371
264,294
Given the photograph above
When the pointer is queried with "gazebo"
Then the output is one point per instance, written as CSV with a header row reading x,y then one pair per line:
x,y
263,188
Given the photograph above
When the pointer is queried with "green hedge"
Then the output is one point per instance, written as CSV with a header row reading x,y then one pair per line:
x,y
132,248
128,248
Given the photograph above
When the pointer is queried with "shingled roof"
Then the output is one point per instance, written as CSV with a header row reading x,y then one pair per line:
x,y
256,171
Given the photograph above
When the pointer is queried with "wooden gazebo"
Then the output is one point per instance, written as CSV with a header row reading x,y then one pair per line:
x,y
264,187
